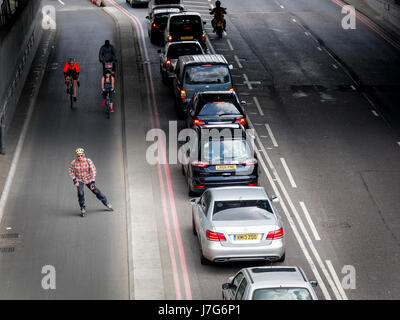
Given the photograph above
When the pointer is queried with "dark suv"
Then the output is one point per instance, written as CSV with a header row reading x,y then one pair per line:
x,y
185,26
203,72
219,156
215,107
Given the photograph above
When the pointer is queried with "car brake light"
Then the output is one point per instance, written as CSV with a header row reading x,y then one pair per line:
x,y
241,121
215,236
252,184
203,37
155,26
197,122
277,234
199,186
198,163
168,63
231,89
250,162
169,38
183,94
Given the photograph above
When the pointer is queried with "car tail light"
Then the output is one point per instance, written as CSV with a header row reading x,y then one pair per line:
x,y
215,236
277,234
169,38
183,94
231,89
200,164
168,63
252,184
199,186
197,122
250,162
155,26
241,121
203,37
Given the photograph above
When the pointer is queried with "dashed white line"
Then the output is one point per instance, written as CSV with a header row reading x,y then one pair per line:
x,y
238,62
61,2
288,173
336,279
398,142
271,135
310,222
247,81
335,66
375,113
258,106
229,44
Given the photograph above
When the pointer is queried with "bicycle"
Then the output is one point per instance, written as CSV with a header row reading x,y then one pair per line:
x,y
107,103
71,90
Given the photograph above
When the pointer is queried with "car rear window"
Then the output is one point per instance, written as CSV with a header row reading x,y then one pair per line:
x,y
219,108
249,213
184,24
253,208
161,18
282,294
218,151
175,51
207,74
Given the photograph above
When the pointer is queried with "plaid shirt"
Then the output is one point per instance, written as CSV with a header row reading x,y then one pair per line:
x,y
82,171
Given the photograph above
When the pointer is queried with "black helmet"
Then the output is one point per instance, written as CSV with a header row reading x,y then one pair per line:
x,y
108,71
71,61
107,43
218,3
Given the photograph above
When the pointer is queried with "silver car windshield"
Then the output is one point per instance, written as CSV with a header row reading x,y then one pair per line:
x,y
282,294
242,210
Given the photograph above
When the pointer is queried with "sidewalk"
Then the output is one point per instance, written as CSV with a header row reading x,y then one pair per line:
x,y
384,13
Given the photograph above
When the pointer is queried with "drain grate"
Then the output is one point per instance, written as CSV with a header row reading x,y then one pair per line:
x,y
7,250
9,235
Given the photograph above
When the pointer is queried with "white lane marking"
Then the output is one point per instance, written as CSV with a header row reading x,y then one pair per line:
x,y
294,20
336,279
271,135
288,215
353,87
334,65
258,106
319,48
61,2
398,143
197,4
310,222
288,173
283,7
229,44
375,113
238,62
247,81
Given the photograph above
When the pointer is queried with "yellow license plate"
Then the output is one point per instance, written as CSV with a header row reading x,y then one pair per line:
x,y
187,38
226,167
220,24
246,236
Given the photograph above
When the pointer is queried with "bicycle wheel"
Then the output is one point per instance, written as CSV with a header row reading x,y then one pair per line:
x,y
71,88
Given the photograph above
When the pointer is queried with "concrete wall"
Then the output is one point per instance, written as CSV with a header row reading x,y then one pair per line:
x,y
18,46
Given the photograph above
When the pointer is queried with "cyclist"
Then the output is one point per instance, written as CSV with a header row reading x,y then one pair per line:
x,y
218,13
107,85
71,69
83,172
107,54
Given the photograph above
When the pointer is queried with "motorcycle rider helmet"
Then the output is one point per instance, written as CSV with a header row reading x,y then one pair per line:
x,y
80,151
107,43
71,61
217,3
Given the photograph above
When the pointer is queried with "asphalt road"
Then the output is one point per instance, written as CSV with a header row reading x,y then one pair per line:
x,y
324,150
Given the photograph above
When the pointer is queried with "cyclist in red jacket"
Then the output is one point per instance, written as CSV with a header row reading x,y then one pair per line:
x,y
71,69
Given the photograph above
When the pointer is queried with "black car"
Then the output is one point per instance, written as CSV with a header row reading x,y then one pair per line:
x,y
215,107
219,156
185,26
157,21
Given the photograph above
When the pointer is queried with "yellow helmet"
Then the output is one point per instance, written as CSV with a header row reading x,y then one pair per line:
x,y
79,151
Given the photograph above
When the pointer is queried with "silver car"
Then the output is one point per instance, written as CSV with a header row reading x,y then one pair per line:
x,y
236,224
269,283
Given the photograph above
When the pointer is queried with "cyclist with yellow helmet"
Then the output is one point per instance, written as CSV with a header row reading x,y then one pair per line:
x,y
83,172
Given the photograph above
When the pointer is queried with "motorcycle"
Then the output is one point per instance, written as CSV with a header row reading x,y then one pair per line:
x,y
218,26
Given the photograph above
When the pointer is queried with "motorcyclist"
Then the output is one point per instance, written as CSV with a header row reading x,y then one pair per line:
x,y
218,13
107,54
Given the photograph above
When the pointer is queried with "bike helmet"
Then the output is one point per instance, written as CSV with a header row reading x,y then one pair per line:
x,y
80,151
218,3
108,71
71,61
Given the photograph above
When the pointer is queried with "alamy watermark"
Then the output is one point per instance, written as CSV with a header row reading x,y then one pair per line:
x,y
349,20
49,280
49,17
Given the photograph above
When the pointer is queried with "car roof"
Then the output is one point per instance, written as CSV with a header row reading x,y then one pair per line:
x,y
185,13
168,44
272,277
238,193
163,9
203,59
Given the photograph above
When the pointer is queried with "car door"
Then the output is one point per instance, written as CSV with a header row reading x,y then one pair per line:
x,y
231,292
201,214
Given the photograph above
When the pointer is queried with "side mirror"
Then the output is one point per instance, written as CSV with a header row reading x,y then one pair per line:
x,y
147,17
230,67
243,103
226,286
204,22
275,199
194,201
313,283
